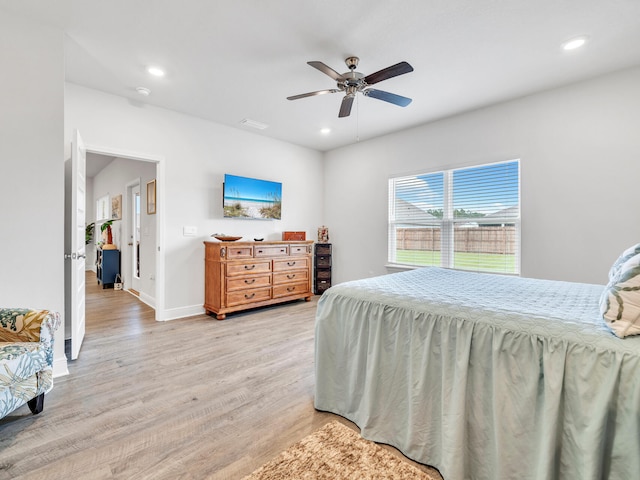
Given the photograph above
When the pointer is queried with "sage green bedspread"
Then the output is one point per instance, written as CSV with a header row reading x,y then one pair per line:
x,y
482,376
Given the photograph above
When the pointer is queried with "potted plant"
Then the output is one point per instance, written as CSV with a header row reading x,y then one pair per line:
x,y
88,233
106,227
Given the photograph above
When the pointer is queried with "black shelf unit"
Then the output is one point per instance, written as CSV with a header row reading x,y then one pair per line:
x,y
322,268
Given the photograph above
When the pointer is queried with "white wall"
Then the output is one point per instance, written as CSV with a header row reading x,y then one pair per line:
x,y
197,154
580,163
90,216
112,181
31,133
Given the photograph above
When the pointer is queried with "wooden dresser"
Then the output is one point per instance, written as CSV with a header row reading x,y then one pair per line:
x,y
243,275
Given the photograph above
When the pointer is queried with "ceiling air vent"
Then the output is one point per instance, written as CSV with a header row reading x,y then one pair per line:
x,y
253,124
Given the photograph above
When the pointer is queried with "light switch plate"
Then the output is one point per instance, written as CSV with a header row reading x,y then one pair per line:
x,y
189,231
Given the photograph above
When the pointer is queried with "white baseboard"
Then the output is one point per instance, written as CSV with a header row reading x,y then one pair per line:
x,y
144,298
170,314
181,312
60,368
148,299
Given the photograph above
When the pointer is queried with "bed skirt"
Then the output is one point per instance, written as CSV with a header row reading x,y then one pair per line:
x,y
478,392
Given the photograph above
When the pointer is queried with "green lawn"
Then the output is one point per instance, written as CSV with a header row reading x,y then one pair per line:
x,y
486,262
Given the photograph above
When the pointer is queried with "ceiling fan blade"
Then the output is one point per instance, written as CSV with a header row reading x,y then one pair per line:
x,y
312,94
389,72
345,108
388,97
327,70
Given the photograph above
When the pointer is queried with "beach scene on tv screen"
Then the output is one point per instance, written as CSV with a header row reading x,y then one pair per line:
x,y
252,198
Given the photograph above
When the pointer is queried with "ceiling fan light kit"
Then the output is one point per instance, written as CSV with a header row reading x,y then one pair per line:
x,y
352,82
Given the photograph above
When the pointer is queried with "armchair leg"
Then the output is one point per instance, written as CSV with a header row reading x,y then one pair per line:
x,y
36,405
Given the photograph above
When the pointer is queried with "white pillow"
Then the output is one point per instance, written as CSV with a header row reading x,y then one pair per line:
x,y
620,301
624,256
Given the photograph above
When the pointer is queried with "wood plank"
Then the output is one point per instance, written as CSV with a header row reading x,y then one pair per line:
x,y
189,398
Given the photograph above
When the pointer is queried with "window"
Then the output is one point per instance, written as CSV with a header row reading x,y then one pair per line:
x,y
466,218
102,208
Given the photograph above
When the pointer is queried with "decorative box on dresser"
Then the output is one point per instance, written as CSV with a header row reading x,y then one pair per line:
x,y
243,275
107,266
322,264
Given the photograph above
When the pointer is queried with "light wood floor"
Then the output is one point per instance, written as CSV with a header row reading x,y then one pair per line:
x,y
186,399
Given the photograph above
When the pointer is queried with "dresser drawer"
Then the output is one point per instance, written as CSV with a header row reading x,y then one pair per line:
x,y
323,273
289,277
323,249
322,286
323,260
248,268
299,249
272,251
240,252
290,289
251,281
290,264
248,296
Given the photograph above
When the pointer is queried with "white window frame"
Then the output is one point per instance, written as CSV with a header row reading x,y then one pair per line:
x,y
448,222
103,208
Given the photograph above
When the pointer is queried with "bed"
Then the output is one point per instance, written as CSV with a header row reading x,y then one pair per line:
x,y
482,376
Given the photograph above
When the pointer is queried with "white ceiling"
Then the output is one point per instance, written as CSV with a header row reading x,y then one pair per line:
x,y
232,59
96,163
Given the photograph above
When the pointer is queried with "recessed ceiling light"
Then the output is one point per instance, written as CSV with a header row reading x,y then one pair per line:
x,y
156,71
325,131
574,43
253,123
143,91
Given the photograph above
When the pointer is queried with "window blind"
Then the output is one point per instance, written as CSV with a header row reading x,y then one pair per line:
x,y
466,218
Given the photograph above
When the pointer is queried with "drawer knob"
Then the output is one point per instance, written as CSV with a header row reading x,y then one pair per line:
x,y
249,282
249,267
291,275
291,264
290,289
249,296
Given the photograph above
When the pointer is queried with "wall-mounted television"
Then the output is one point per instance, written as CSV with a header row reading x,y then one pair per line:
x,y
251,198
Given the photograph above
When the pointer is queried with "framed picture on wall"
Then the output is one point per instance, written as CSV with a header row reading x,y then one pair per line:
x,y
116,207
151,197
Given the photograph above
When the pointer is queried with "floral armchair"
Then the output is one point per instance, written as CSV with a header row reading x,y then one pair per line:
x,y
26,357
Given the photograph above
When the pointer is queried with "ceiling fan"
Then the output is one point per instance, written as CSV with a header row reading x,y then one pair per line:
x,y
353,82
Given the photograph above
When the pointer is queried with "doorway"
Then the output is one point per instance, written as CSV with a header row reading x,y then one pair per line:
x,y
133,267
149,258
134,230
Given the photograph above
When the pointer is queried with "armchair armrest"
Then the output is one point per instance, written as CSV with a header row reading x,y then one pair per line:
x,y
25,325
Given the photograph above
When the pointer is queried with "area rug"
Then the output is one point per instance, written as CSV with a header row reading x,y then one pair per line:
x,y
335,452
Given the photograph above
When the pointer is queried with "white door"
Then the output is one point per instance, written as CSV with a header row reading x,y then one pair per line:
x,y
77,237
134,239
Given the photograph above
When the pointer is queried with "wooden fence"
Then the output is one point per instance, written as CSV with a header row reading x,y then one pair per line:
x,y
482,239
